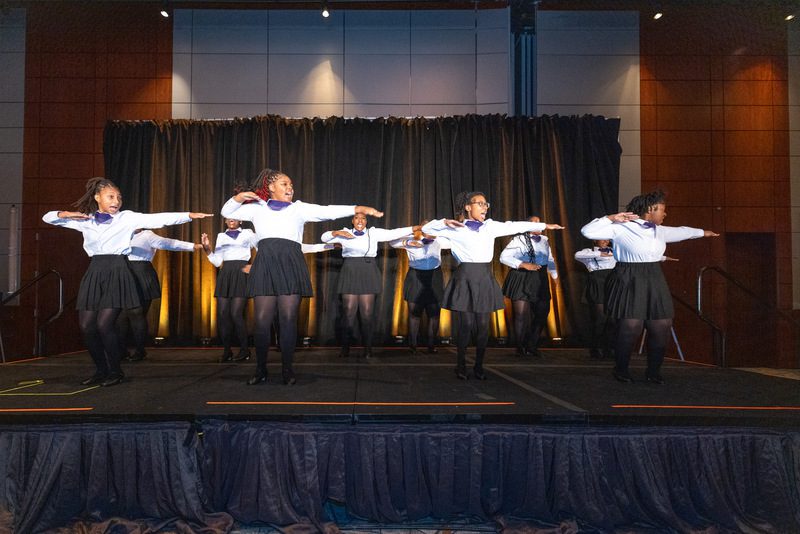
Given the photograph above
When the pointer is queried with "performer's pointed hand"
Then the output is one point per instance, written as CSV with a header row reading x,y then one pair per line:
x,y
554,227
710,233
197,215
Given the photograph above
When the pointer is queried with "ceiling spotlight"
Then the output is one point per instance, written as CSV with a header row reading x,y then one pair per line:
x,y
789,17
165,9
325,12
658,15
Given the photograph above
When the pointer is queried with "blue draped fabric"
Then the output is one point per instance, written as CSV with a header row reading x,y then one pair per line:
x,y
313,477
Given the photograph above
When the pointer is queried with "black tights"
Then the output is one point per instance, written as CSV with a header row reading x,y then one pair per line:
x,y
287,307
135,321
230,320
415,312
529,313
629,331
466,323
99,329
362,305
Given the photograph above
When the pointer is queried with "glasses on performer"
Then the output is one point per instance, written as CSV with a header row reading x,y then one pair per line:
x,y
482,204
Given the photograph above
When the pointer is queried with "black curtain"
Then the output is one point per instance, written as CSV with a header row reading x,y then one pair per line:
x,y
565,169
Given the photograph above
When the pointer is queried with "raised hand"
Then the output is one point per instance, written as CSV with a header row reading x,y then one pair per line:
x,y
623,216
74,215
369,211
244,196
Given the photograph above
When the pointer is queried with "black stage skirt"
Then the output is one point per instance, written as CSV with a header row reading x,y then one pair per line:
x,y
594,292
638,291
279,269
423,287
531,286
472,288
147,278
231,281
360,276
108,283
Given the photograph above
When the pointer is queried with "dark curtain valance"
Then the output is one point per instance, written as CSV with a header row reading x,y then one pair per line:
x,y
565,169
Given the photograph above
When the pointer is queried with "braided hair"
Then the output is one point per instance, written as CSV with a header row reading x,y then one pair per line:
x,y
87,204
260,186
641,204
461,200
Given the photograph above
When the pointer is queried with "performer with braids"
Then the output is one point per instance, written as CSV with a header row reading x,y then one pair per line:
x,y
279,277
472,292
599,261
530,258
144,246
108,286
231,255
423,286
637,295
360,277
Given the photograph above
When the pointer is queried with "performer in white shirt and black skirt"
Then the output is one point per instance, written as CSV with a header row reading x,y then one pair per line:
x,y
360,277
144,246
472,292
423,286
531,260
279,276
637,295
231,254
599,261
109,285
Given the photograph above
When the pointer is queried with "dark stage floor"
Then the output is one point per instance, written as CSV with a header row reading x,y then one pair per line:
x,y
395,386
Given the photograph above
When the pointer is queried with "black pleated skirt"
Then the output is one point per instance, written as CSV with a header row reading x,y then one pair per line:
x,y
108,283
531,286
638,291
424,287
147,278
279,269
360,276
473,288
594,292
231,281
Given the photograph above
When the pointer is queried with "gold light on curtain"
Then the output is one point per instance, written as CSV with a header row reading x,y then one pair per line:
x,y
400,306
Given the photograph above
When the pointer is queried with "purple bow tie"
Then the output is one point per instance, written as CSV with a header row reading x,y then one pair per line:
x,y
277,205
536,238
102,218
427,241
605,249
649,224
473,225
233,234
358,232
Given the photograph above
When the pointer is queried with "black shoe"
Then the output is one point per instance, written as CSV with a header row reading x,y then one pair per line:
x,y
478,373
137,356
367,353
243,354
258,378
461,373
93,380
622,376
432,349
288,377
522,353
533,352
595,354
654,379
113,379
345,352
412,349
226,356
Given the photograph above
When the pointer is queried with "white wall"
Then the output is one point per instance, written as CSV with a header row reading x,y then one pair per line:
x,y
588,63
794,153
355,63
12,114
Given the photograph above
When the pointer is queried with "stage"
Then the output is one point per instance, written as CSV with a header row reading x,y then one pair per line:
x,y
547,443
563,386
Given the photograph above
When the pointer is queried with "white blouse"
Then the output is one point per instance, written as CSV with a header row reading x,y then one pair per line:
x,y
366,245
471,246
424,258
145,244
114,236
227,248
636,243
594,260
286,223
516,253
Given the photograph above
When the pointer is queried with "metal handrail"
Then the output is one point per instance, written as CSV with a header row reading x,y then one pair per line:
x,y
755,296
39,348
720,350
